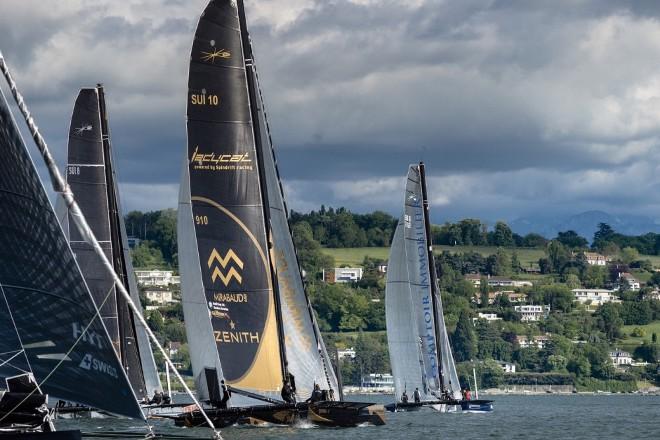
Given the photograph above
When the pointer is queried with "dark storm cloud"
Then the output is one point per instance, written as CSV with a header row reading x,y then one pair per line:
x,y
516,106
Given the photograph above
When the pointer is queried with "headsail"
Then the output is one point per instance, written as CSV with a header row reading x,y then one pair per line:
x,y
63,341
307,356
92,178
223,215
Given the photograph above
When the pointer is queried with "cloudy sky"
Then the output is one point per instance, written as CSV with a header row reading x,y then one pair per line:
x,y
518,108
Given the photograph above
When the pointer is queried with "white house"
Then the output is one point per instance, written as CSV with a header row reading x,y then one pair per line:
x,y
506,282
594,297
487,317
536,341
620,357
382,268
532,312
508,367
348,352
159,296
629,282
596,259
343,275
156,277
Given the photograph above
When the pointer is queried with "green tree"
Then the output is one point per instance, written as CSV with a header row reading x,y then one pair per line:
x,y
603,235
463,339
502,235
609,320
594,277
556,362
492,375
483,292
571,239
647,352
146,255
628,255
310,255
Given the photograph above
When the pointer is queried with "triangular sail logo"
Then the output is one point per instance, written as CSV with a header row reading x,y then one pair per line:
x,y
223,262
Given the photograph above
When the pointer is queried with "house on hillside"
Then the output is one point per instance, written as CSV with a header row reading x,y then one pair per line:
x,y
162,278
507,367
535,341
596,259
513,296
343,275
159,295
530,313
382,267
628,282
620,358
490,317
474,278
594,298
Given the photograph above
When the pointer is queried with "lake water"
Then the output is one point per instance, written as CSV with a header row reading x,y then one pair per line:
x,y
515,417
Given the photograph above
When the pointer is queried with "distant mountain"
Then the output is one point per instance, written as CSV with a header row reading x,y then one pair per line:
x,y
585,224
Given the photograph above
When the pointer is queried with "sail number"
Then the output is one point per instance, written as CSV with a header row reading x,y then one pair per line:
x,y
201,220
74,171
205,99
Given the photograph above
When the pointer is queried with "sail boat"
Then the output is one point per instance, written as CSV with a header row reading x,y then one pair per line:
x,y
91,176
420,352
50,334
248,319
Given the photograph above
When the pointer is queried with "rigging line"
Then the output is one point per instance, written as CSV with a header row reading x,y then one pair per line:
x,y
60,186
11,315
8,360
66,355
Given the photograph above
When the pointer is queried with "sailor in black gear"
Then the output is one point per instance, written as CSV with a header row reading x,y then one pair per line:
x,y
416,396
287,393
158,398
317,395
226,394
404,397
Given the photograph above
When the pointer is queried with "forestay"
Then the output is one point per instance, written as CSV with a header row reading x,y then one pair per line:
x,y
53,317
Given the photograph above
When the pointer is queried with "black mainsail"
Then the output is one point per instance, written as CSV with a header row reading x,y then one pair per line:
x,y
247,315
91,176
45,305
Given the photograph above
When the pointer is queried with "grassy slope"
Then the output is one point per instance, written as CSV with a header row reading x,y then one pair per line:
x,y
355,256
651,328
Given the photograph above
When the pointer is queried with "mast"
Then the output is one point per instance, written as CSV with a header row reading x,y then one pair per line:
x,y
434,276
129,355
254,106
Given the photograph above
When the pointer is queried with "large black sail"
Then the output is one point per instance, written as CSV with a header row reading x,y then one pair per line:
x,y
226,281
44,296
91,176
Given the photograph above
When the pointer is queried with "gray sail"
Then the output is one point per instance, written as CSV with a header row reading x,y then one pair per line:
x,y
43,294
449,375
402,337
199,329
307,356
413,259
147,363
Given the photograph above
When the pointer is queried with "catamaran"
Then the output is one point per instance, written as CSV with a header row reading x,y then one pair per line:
x,y
420,352
90,174
248,319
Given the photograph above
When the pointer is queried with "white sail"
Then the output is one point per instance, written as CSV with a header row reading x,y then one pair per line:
x,y
307,357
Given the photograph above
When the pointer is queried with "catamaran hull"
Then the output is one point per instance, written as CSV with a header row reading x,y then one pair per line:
x,y
329,414
58,435
477,406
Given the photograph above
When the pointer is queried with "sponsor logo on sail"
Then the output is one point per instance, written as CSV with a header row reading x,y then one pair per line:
x,y
220,162
222,54
89,336
217,261
80,130
90,363
233,337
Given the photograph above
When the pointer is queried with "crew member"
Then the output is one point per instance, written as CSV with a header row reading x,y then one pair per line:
x,y
316,396
468,395
416,396
404,397
287,393
226,394
157,399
